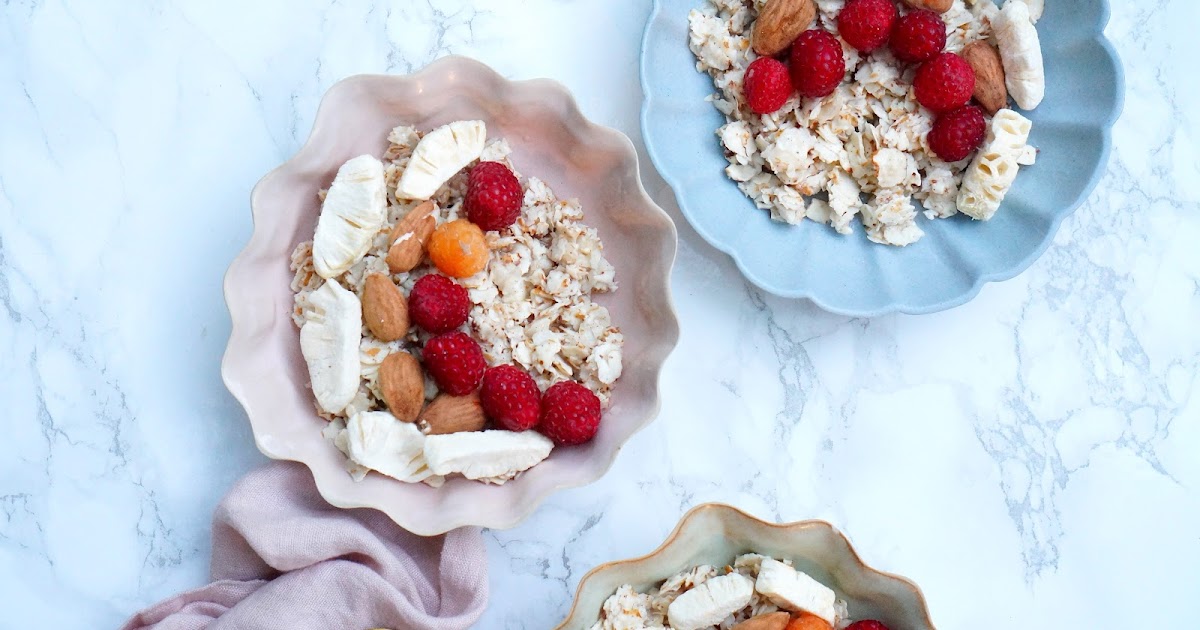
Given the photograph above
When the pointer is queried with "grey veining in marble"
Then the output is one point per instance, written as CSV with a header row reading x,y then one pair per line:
x,y
1026,458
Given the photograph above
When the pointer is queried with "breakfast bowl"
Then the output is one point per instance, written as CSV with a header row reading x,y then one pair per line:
x,y
264,367
846,272
716,535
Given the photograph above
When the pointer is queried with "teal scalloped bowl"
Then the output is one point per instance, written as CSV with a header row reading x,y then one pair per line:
x,y
849,274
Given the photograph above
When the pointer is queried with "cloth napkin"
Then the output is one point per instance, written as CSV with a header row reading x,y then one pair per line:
x,y
284,558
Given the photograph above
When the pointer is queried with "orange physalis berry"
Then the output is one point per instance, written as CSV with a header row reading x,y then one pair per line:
x,y
458,249
808,621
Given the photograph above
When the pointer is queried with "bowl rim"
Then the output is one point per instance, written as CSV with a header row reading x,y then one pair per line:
x,y
808,293
239,313
739,513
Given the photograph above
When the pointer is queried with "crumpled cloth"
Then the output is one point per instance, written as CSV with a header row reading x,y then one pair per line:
x,y
284,558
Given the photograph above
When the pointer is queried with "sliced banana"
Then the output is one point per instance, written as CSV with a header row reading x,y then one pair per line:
x,y
377,440
1021,54
795,590
485,454
711,602
438,156
354,210
329,342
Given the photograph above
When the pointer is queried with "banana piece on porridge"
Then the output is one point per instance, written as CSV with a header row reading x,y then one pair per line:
x,y
439,155
353,211
1021,53
329,340
795,591
377,440
711,602
994,168
493,456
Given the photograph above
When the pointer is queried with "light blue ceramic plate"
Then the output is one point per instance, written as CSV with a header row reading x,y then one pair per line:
x,y
849,274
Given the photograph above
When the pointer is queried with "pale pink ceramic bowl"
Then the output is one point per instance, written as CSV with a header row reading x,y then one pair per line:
x,y
552,140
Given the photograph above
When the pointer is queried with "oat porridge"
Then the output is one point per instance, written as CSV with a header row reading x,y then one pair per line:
x,y
446,315
879,106
755,593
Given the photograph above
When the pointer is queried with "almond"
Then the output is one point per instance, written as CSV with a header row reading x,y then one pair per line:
x,y
406,243
403,385
454,414
940,6
766,621
385,311
989,75
779,24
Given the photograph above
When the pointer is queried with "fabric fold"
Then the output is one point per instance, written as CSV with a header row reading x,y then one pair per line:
x,y
284,558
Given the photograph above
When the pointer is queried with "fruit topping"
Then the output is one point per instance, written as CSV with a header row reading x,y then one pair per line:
x,y
438,304
817,63
944,82
570,413
918,36
455,362
957,134
494,196
511,398
458,249
866,24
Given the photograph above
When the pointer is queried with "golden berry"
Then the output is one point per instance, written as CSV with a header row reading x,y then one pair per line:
x,y
458,249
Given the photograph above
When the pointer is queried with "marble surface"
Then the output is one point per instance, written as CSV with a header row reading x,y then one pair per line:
x,y
1028,458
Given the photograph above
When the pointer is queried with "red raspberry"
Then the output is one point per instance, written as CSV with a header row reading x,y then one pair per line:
x,y
455,362
767,85
918,36
438,304
867,624
817,63
510,398
956,134
494,196
866,24
570,413
944,82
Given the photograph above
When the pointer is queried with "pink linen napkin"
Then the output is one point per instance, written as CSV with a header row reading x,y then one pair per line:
x,y
284,558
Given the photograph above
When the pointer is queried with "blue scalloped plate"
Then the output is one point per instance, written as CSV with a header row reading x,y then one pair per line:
x,y
849,274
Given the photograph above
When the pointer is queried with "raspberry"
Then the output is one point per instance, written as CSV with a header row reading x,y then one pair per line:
x,y
944,82
458,249
767,85
918,36
438,304
455,362
817,63
494,196
570,413
867,624
510,398
957,133
866,24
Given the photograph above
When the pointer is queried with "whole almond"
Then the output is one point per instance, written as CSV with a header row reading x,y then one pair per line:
x,y
385,311
940,6
779,24
766,621
454,414
406,242
403,385
989,75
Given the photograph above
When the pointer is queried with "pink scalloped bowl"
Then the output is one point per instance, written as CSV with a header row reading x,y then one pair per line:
x,y
263,367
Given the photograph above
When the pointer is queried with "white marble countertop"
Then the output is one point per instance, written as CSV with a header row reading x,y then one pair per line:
x,y
1029,458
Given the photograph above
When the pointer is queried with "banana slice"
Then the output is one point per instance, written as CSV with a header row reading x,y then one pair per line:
x,y
795,591
1021,54
329,342
354,210
711,602
377,440
438,156
491,455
